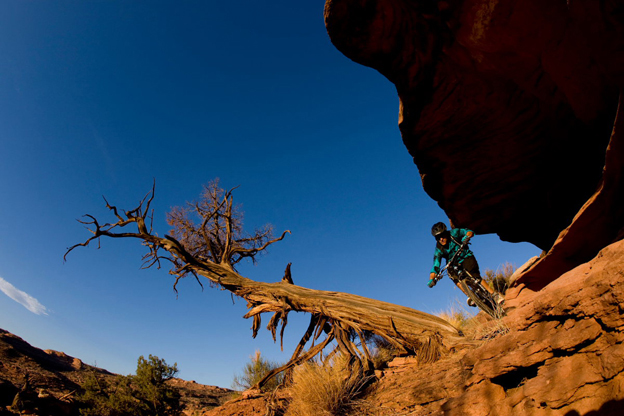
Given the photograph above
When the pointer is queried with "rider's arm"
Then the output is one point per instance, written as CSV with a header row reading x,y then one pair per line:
x,y
466,234
437,261
435,269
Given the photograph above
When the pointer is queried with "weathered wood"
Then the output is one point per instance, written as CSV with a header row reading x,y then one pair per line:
x,y
369,314
342,316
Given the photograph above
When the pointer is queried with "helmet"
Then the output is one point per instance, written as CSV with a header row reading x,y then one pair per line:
x,y
438,229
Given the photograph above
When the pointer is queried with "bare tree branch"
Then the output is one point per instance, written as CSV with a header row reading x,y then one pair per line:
x,y
211,249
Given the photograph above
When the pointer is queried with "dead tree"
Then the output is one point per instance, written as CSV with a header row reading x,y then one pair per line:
x,y
212,246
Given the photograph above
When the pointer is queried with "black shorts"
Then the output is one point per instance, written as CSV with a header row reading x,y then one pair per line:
x,y
471,266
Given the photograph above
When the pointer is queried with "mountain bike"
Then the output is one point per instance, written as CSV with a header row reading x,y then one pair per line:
x,y
470,285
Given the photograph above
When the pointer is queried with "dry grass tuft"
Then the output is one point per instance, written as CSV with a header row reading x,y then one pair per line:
x,y
479,327
485,328
457,315
499,279
382,351
326,389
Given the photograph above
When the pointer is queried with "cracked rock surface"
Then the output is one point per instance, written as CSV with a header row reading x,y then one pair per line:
x,y
563,355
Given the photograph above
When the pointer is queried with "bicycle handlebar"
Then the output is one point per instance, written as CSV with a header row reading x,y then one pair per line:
x,y
463,246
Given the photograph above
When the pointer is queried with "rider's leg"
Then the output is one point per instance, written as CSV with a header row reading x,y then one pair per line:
x,y
460,288
469,300
456,281
487,287
472,267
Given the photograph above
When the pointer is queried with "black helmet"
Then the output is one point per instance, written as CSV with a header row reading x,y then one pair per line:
x,y
438,229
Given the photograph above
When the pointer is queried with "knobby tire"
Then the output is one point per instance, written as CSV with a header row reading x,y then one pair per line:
x,y
486,304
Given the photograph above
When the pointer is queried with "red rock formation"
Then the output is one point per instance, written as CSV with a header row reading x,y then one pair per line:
x,y
563,355
596,225
559,351
506,106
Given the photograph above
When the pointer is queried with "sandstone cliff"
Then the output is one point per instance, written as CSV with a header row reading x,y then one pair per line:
x,y
559,351
512,111
563,355
507,107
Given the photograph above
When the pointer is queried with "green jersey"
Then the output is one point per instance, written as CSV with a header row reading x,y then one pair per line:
x,y
457,237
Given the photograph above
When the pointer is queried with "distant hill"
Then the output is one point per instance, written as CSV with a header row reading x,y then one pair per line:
x,y
50,380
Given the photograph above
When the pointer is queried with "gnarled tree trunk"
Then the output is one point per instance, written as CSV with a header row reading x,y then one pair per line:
x,y
342,317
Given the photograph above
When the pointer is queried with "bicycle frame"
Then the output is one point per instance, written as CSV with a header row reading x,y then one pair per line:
x,y
459,271
470,285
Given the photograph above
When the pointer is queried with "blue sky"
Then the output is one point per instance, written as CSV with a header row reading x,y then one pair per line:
x,y
98,98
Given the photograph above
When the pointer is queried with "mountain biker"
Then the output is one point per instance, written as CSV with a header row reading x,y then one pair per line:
x,y
448,243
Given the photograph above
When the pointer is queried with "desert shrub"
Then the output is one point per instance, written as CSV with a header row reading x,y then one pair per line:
x,y
382,351
499,279
480,327
109,398
254,371
476,327
144,394
149,383
486,329
457,316
330,388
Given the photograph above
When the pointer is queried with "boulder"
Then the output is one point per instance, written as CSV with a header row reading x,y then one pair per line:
x,y
562,354
597,224
507,107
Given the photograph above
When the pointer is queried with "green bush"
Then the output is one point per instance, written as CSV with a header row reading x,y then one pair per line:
x,y
150,379
254,371
109,399
145,394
